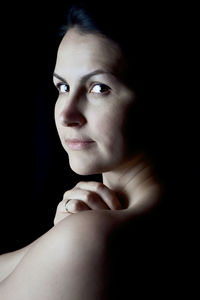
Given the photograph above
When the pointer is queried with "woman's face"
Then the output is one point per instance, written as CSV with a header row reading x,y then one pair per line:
x,y
93,102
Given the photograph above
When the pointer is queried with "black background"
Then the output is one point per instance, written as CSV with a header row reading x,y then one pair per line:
x,y
34,167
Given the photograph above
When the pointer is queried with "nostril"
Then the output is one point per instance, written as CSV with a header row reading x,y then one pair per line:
x,y
72,120
73,124
71,115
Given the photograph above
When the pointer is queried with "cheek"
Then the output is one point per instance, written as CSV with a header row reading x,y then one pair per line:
x,y
109,128
57,122
56,117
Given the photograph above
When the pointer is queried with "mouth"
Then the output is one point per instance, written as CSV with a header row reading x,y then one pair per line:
x,y
76,144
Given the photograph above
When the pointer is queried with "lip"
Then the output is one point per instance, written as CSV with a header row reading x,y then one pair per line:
x,y
77,144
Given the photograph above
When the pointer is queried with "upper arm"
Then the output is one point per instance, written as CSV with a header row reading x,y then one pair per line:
x,y
9,261
68,262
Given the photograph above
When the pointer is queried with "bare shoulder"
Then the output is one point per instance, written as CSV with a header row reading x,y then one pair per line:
x,y
96,247
90,226
66,259
102,219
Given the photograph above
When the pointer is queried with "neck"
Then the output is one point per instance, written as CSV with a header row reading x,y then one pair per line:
x,y
130,179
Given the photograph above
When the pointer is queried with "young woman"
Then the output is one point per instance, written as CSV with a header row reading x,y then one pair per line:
x,y
106,240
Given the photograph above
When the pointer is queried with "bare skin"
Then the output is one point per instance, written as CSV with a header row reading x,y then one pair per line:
x,y
76,243
90,116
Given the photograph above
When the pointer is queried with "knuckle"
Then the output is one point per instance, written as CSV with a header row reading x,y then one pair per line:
x,y
59,206
65,194
68,193
75,206
79,183
89,197
99,187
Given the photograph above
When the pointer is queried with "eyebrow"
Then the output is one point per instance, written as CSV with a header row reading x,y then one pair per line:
x,y
84,77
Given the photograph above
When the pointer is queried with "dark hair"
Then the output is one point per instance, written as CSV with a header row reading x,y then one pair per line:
x,y
128,26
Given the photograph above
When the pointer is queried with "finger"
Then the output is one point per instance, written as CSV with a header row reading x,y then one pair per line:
x,y
90,198
107,195
75,206
61,208
64,210
61,213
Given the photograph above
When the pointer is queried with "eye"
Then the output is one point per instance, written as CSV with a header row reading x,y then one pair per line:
x,y
99,88
62,88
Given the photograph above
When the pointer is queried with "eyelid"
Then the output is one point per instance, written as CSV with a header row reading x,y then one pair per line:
x,y
61,83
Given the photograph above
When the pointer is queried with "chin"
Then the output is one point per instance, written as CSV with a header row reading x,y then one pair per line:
x,y
91,167
85,169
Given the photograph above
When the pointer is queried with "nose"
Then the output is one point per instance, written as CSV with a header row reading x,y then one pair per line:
x,y
70,115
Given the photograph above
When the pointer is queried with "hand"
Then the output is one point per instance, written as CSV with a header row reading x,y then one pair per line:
x,y
86,196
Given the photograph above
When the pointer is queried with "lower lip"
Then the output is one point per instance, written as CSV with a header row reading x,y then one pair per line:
x,y
78,145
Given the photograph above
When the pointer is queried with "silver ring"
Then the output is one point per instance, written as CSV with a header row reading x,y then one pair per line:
x,y
66,206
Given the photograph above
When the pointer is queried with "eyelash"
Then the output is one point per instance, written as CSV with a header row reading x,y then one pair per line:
x,y
104,86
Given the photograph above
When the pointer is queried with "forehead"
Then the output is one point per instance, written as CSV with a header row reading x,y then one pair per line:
x,y
85,52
